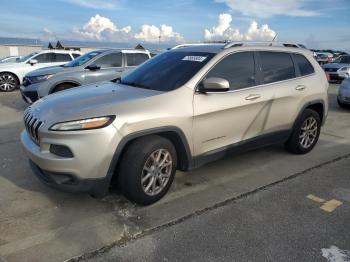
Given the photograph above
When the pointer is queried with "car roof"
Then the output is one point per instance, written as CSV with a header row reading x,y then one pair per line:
x,y
228,47
123,50
59,51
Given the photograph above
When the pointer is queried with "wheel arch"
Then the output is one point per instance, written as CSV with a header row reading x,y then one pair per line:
x,y
55,85
174,134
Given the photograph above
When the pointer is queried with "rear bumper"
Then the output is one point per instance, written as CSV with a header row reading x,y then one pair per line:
x,y
335,77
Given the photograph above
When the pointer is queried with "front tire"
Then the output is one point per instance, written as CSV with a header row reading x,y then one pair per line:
x,y
147,169
305,133
8,82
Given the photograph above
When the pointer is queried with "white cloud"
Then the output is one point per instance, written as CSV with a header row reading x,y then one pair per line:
x,y
97,4
224,31
102,28
268,8
151,33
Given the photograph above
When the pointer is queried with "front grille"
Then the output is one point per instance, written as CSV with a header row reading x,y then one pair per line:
x,y
32,124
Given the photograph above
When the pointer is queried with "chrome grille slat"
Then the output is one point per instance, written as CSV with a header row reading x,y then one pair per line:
x,y
32,124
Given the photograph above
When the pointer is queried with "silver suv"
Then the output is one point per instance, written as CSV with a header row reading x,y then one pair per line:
x,y
179,110
93,67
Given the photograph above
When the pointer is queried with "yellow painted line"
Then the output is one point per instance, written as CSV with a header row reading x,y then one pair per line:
x,y
315,198
331,205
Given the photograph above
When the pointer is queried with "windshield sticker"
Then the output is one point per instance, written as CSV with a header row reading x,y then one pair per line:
x,y
194,58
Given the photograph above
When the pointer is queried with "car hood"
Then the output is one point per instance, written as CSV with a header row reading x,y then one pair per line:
x,y
87,101
335,65
48,71
9,66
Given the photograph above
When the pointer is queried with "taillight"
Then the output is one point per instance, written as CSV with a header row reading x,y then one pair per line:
x,y
328,77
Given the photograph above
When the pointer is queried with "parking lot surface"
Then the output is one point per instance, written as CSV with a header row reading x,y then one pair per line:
x,y
279,223
40,224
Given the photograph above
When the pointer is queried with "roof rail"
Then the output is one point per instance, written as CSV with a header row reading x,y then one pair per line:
x,y
196,44
267,43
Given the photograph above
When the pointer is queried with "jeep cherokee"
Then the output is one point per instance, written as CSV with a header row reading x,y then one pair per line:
x,y
179,110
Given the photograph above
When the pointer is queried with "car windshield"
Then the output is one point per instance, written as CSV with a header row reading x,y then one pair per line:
x,y
82,59
26,57
167,71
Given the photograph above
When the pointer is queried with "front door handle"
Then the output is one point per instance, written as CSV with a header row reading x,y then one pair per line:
x,y
252,97
300,87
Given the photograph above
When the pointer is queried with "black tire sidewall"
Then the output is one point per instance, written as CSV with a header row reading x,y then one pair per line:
x,y
129,179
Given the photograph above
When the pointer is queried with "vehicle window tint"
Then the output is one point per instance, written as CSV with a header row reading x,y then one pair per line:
x,y
167,71
276,66
109,60
76,55
45,58
62,57
134,59
304,65
238,69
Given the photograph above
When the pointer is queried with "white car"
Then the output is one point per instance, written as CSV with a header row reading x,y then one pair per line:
x,y
9,59
11,74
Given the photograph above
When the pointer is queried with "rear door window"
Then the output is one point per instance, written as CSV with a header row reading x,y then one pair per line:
x,y
276,66
238,69
135,59
305,67
109,60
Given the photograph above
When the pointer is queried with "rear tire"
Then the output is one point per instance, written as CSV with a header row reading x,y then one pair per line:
x,y
62,87
147,169
8,82
305,133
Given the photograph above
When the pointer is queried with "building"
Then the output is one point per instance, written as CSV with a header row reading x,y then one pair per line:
x,y
18,46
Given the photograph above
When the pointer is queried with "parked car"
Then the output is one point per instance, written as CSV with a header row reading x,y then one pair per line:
x,y
344,94
90,68
339,69
11,74
179,110
324,58
9,59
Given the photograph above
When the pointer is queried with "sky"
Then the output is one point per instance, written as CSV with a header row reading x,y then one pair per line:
x,y
317,23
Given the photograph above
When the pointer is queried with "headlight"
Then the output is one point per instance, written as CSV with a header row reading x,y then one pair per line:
x,y
83,124
37,79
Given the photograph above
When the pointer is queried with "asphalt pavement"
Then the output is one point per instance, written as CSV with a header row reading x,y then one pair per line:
x,y
38,223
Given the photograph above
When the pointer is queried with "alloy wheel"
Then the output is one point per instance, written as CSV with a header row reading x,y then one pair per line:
x,y
156,172
7,82
308,132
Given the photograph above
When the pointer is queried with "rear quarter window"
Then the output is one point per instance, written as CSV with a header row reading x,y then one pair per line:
x,y
135,59
305,67
276,66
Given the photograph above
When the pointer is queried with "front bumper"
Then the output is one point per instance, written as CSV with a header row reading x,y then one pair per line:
x,y
87,170
28,96
344,99
70,183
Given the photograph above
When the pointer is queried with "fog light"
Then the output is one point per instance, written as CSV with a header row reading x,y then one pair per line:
x,y
61,151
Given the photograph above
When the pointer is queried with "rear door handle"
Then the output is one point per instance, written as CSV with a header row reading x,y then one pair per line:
x,y
300,87
252,97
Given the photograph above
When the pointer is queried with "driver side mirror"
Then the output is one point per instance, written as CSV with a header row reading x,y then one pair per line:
x,y
93,67
214,84
33,62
